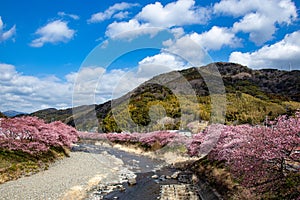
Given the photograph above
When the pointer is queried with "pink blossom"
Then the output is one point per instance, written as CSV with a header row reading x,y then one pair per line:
x,y
33,135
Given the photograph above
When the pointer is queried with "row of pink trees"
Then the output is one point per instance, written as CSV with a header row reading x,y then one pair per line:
x,y
147,140
256,155
33,135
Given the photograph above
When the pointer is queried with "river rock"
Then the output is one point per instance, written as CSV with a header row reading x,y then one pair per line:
x,y
155,176
175,175
132,181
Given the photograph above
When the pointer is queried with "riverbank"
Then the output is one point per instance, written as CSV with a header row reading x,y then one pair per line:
x,y
68,178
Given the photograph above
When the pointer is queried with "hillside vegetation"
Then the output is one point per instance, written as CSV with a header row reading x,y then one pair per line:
x,y
162,102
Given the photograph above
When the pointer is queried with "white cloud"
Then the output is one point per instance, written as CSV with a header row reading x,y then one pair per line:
x,y
53,32
216,38
260,31
63,14
7,72
193,47
188,49
85,83
121,15
160,63
278,55
29,93
5,35
129,30
155,17
177,32
112,11
236,8
259,17
181,12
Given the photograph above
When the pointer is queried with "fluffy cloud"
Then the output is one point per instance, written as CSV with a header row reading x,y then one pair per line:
x,y
160,63
278,55
181,12
260,31
122,15
188,49
53,32
63,14
85,83
155,17
193,47
5,35
259,17
112,11
129,30
29,93
216,38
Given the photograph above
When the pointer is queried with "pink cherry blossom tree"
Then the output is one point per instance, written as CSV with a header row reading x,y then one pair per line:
x,y
33,135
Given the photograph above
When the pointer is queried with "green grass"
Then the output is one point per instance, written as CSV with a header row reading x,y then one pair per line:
x,y
15,164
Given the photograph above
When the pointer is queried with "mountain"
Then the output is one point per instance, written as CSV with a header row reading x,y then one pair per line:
x,y
13,113
83,117
176,99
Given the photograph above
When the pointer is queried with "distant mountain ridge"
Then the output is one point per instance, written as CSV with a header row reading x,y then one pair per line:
x,y
13,113
269,92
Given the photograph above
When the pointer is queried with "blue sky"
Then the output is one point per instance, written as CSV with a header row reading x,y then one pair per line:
x,y
53,53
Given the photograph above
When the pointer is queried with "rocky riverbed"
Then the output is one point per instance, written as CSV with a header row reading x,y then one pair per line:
x,y
95,172
148,179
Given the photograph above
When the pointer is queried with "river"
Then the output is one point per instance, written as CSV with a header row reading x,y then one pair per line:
x,y
155,179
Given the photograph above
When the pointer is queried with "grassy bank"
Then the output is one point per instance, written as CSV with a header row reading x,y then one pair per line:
x,y
15,164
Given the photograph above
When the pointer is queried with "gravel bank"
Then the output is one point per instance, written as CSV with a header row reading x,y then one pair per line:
x,y
66,179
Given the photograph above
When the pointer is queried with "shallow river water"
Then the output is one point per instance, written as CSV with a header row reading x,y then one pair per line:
x,y
154,179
